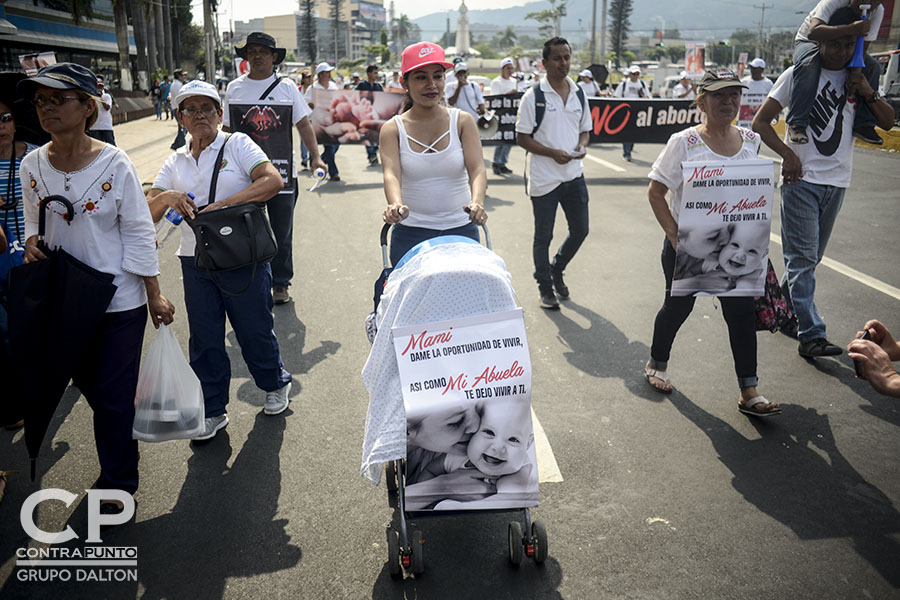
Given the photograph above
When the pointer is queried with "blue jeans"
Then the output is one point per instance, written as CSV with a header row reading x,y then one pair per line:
x,y
251,318
573,197
805,83
739,313
281,216
627,149
501,154
158,105
304,152
371,151
808,212
403,237
328,158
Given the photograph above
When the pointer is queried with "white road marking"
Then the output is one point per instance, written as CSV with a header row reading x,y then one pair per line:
x,y
548,470
852,273
605,163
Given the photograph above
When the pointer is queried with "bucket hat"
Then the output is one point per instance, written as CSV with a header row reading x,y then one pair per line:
x,y
263,39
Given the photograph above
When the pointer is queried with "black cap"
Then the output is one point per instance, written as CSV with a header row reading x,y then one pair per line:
x,y
61,76
263,39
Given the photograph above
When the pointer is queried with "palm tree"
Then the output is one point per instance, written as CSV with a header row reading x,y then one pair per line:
x,y
508,38
120,14
404,29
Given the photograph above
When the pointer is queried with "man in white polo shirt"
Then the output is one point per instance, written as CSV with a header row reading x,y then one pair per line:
x,y
463,94
556,142
262,84
505,84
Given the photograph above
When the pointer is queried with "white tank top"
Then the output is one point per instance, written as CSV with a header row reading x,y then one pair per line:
x,y
434,184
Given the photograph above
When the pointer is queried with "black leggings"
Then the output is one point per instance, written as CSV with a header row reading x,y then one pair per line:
x,y
739,313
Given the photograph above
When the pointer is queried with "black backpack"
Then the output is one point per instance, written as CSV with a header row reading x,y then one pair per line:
x,y
540,104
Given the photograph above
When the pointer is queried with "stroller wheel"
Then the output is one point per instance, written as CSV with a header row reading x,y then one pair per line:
x,y
417,548
393,542
539,537
390,473
516,549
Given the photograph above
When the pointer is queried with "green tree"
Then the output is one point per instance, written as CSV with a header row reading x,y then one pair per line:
x,y
548,20
407,31
619,24
656,53
506,38
448,38
486,50
308,29
676,53
386,53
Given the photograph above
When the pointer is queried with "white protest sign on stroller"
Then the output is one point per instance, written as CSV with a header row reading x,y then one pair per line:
x,y
723,228
467,393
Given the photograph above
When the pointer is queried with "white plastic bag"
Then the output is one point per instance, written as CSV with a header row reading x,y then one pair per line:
x,y
169,401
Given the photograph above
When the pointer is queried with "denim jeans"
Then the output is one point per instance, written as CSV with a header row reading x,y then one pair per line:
x,y
328,158
371,151
739,313
501,154
304,152
281,216
805,83
573,196
251,318
403,238
808,212
627,149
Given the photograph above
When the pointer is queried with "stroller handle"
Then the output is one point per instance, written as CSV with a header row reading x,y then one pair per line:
x,y
387,227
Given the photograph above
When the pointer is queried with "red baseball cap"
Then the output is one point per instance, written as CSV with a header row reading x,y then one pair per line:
x,y
420,55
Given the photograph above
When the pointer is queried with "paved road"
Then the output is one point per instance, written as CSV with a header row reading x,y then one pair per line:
x,y
662,497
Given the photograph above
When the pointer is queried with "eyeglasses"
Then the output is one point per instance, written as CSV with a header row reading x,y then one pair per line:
x,y
6,118
206,111
59,100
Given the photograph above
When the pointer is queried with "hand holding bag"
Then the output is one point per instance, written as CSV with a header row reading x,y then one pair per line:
x,y
169,400
232,237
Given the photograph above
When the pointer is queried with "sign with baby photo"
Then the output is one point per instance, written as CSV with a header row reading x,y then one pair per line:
x,y
270,125
723,228
467,393
352,116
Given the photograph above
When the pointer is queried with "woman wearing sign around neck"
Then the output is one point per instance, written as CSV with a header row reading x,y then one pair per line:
x,y
719,98
245,174
432,159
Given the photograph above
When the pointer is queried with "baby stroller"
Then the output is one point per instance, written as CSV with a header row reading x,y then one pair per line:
x,y
468,445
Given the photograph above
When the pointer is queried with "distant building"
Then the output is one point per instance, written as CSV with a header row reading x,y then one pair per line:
x,y
34,26
360,24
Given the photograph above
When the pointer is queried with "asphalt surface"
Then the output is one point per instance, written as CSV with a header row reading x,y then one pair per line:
x,y
663,497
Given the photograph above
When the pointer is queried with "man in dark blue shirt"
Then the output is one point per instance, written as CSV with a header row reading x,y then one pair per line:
x,y
371,85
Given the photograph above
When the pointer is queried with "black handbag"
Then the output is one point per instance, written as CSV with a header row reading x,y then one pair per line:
x,y
233,237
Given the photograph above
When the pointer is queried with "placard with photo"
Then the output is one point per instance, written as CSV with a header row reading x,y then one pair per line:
x,y
723,228
467,393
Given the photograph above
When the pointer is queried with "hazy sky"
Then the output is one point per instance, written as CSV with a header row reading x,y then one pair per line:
x,y
245,10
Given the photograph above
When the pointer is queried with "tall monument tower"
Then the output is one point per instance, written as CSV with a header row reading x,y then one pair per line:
x,y
462,31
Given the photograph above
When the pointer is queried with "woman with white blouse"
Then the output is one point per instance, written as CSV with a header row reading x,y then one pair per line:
x,y
245,175
718,97
111,232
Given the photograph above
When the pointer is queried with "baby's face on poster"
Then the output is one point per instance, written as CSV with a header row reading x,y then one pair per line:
x,y
701,241
744,251
500,446
446,430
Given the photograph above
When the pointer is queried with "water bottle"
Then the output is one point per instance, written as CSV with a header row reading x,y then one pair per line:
x,y
320,175
168,225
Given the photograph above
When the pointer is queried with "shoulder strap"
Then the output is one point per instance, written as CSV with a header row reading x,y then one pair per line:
x,y
216,166
540,105
580,93
268,89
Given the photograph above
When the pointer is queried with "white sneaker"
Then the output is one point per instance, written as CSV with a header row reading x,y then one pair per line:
x,y
211,426
277,401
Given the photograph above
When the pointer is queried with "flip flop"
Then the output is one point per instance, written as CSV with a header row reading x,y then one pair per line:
x,y
662,375
750,407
